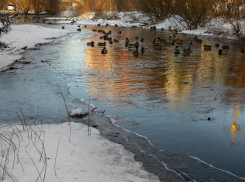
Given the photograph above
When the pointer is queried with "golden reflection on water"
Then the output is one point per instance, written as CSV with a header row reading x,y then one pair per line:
x,y
235,127
164,78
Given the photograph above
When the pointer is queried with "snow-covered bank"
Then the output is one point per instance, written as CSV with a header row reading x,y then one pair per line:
x,y
83,158
216,27
24,37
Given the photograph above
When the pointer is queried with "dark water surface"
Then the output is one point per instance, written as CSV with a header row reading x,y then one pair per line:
x,y
192,105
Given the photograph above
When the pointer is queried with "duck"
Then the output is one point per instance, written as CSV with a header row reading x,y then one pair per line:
x,y
79,29
107,38
63,27
104,51
90,43
187,50
223,51
101,44
126,42
179,41
136,53
216,45
142,39
94,30
98,25
207,47
116,41
136,38
190,42
135,44
226,47
100,30
157,47
153,28
168,43
176,50
199,40
110,42
142,50
119,32
195,38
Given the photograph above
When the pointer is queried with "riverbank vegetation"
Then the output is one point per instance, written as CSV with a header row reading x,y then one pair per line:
x,y
189,14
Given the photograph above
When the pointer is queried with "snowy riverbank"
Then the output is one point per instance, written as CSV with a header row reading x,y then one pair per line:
x,y
50,152
23,37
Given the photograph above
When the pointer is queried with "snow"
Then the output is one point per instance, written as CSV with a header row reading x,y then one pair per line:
x,y
25,36
74,156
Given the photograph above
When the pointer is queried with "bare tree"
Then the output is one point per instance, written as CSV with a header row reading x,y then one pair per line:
x,y
52,6
38,5
3,4
193,13
156,10
234,12
25,6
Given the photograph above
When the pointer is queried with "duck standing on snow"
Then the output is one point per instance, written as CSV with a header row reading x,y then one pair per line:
x,y
104,51
176,50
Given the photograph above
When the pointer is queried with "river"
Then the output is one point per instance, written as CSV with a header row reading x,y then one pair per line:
x,y
192,105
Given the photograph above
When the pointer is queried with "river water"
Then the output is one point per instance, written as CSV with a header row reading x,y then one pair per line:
x,y
193,105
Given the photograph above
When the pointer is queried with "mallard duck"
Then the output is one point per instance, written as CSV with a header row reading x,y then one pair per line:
x,y
153,28
190,42
126,42
168,43
85,26
142,50
199,40
187,50
98,25
79,29
223,51
176,50
110,42
179,41
225,47
107,38
90,43
107,25
136,53
216,45
104,51
142,39
116,41
136,38
101,44
100,30
116,25
135,44
207,47
158,47
94,30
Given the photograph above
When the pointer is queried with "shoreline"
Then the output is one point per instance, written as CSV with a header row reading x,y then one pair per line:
x,y
166,165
